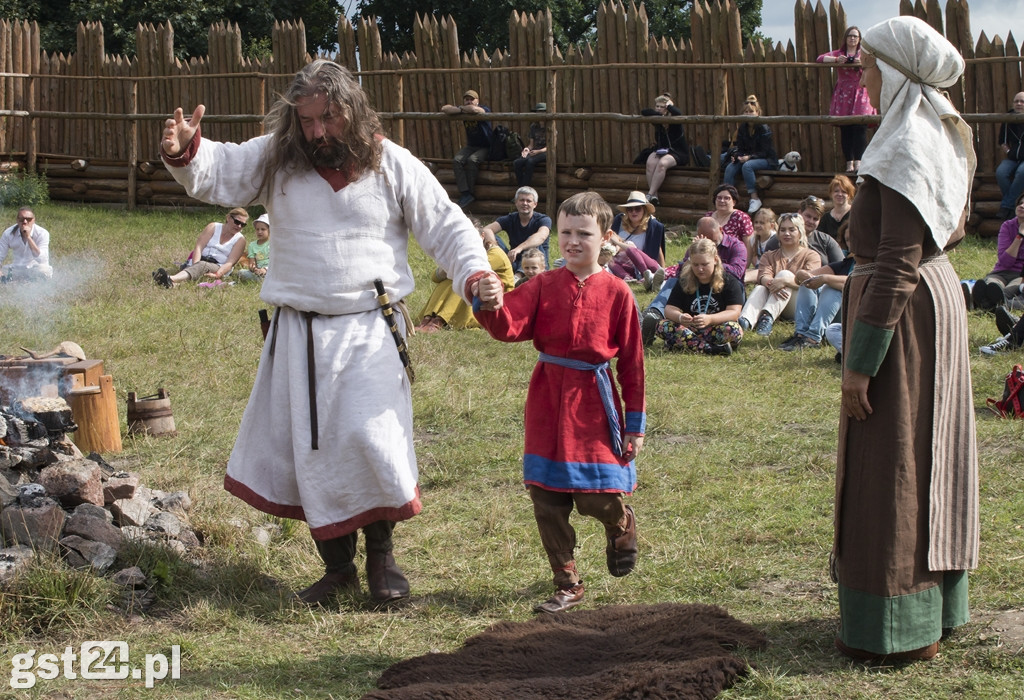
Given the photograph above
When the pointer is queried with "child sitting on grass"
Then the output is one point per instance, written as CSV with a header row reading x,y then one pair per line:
x,y
703,309
580,446
531,264
258,252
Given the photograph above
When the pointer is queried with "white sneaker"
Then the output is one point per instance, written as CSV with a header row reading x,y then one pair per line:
x,y
1001,345
755,204
648,280
659,279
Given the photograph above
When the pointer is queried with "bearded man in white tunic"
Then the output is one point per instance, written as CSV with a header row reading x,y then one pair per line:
x,y
327,434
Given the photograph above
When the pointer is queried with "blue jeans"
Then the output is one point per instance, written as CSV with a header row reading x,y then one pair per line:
x,y
747,168
659,302
1010,176
815,309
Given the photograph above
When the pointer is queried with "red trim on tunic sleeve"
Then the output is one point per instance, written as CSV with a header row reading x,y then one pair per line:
x,y
184,158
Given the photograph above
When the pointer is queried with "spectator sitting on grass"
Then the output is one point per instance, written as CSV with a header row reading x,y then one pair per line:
x,y
258,252
30,245
704,307
811,210
633,265
1005,279
732,253
445,308
525,227
765,225
531,264
218,248
636,225
776,282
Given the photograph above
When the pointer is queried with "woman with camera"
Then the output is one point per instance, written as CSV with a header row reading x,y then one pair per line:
x,y
849,97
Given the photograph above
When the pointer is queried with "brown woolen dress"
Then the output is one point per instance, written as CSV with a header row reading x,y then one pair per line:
x,y
906,481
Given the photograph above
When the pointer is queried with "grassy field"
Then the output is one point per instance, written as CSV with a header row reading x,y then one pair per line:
x,y
734,503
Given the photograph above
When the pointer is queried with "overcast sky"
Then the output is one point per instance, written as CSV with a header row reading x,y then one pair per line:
x,y
991,16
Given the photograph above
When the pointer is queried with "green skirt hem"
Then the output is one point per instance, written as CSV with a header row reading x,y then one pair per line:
x,y
893,624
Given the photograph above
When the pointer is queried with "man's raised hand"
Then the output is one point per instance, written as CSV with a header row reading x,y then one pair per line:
x,y
178,131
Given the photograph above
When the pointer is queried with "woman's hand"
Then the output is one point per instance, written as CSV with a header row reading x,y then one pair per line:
x,y
685,320
776,286
855,394
699,321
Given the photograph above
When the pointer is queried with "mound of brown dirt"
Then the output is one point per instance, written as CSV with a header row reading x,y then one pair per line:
x,y
630,651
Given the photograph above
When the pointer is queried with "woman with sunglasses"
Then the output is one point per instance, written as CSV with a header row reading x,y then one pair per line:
x,y
218,248
849,97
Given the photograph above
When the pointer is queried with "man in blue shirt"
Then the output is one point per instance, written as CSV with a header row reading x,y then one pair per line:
x,y
478,145
526,228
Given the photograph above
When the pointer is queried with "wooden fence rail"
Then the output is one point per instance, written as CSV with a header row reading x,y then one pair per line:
x,y
594,91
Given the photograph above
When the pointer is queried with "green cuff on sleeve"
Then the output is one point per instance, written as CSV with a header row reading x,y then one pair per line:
x,y
866,348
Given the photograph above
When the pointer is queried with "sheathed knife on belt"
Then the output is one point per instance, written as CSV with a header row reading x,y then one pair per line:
x,y
389,316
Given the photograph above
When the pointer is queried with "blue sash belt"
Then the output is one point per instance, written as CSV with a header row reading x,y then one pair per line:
x,y
604,387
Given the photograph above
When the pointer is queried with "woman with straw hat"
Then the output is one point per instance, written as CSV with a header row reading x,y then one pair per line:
x,y
636,225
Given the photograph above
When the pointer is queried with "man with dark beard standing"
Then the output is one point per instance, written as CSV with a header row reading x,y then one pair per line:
x,y
327,434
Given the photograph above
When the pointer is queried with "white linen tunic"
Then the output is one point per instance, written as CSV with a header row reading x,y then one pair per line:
x,y
329,246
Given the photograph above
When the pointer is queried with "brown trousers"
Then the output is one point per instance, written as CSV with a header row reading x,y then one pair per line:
x,y
551,510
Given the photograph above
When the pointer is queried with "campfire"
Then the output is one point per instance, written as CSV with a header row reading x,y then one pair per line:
x,y
55,499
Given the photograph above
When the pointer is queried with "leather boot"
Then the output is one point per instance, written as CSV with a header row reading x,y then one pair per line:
x,y
621,549
385,580
562,600
331,584
926,653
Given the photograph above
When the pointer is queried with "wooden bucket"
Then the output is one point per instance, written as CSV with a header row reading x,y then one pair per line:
x,y
95,410
150,415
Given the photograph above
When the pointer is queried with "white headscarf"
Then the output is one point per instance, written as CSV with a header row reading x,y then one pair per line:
x,y
922,148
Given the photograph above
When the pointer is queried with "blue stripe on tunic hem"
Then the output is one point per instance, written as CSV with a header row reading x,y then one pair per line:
x,y
578,476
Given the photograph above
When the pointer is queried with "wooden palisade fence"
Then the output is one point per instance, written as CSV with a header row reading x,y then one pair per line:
x,y
91,121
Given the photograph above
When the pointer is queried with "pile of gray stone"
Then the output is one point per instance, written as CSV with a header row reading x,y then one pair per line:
x,y
55,500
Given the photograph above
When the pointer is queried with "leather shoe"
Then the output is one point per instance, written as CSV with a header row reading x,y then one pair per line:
x,y
926,653
563,599
621,549
385,580
328,586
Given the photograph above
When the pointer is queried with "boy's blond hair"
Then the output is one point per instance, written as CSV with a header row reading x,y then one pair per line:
x,y
531,253
588,204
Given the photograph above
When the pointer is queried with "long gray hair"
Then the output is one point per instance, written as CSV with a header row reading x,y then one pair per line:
x,y
360,133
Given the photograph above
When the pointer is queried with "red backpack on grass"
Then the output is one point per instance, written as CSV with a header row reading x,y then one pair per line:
x,y
1012,404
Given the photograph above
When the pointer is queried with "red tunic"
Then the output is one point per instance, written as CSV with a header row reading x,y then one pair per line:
x,y
568,441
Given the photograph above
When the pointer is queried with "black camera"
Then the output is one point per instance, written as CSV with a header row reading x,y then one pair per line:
x,y
851,59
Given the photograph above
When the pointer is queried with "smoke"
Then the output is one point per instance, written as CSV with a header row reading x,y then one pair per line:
x,y
43,306
46,302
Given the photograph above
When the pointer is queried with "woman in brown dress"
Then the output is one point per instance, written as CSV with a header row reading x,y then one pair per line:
x,y
906,522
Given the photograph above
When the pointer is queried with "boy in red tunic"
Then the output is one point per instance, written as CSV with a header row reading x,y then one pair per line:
x,y
580,445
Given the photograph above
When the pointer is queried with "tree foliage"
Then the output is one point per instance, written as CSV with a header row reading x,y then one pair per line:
x,y
483,24
191,20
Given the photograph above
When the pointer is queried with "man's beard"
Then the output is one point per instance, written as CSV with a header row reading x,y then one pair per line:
x,y
327,153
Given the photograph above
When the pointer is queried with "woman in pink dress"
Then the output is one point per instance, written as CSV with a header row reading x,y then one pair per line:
x,y
849,97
